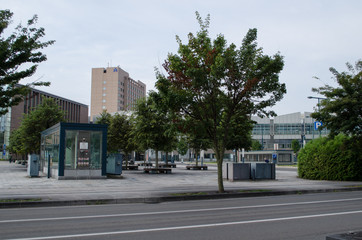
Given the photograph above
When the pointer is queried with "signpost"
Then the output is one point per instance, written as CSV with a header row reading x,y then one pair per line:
x,y
317,126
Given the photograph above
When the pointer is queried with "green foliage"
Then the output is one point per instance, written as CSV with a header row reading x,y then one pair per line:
x,y
341,111
182,146
105,118
219,86
331,159
295,145
26,139
121,135
19,58
153,125
256,145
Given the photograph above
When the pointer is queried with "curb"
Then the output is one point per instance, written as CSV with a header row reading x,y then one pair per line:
x,y
155,200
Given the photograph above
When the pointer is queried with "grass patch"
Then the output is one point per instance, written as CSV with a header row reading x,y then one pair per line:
x,y
97,202
20,200
188,194
354,186
254,190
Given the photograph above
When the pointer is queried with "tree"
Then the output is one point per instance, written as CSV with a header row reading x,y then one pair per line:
x,y
221,86
182,145
120,135
105,118
256,145
17,52
153,126
26,139
341,111
195,136
295,146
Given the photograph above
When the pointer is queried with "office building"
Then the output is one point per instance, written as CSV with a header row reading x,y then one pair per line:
x,y
74,112
276,136
113,90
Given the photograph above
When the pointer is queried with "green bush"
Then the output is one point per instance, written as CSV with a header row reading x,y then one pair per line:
x,y
331,159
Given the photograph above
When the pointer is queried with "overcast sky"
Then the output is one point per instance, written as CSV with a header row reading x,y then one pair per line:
x,y
312,35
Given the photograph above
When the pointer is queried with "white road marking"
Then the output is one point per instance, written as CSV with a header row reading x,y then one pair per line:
x,y
189,227
178,211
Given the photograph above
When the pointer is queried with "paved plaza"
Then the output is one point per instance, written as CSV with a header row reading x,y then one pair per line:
x,y
135,185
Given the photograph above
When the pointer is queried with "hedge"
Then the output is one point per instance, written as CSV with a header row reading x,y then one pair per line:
x,y
331,159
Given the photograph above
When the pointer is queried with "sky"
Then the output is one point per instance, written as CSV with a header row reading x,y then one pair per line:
x,y
137,35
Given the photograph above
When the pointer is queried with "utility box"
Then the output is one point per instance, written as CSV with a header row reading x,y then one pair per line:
x,y
262,171
114,164
33,165
238,171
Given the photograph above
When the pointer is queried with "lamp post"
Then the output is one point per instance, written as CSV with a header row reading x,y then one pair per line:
x,y
319,108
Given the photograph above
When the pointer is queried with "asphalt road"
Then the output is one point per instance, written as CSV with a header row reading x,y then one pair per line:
x,y
310,216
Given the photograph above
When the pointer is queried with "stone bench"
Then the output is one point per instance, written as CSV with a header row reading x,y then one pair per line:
x,y
145,164
169,165
157,170
130,167
194,167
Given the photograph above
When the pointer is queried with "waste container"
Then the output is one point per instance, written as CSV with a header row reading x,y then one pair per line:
x,y
33,165
262,170
114,164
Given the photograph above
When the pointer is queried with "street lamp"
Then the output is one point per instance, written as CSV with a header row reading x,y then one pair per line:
x,y
319,108
319,98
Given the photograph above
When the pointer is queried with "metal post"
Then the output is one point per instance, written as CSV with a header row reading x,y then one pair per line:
x,y
48,165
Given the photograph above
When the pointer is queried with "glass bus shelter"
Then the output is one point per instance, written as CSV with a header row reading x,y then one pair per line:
x,y
74,151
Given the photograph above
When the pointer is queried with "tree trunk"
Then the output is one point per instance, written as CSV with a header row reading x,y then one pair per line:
x,y
126,158
166,158
219,160
197,152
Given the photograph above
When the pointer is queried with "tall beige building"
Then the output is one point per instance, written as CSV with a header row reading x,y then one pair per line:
x,y
113,90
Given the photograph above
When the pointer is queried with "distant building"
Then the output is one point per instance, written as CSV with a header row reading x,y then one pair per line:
x,y
74,112
276,136
113,90
278,133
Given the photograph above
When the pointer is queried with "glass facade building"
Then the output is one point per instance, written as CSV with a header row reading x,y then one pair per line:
x,y
276,136
74,151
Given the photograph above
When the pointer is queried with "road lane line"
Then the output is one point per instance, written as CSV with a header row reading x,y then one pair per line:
x,y
177,211
189,227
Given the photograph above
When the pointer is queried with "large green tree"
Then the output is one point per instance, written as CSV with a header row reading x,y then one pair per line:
x,y
221,85
153,126
121,135
19,58
341,111
26,139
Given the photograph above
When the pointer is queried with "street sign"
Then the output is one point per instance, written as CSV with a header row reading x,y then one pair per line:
x,y
317,125
274,156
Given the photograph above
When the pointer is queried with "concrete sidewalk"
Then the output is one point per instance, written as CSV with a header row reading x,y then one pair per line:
x,y
17,190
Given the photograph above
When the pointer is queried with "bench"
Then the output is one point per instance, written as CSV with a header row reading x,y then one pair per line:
x,y
194,167
146,164
169,165
157,170
130,167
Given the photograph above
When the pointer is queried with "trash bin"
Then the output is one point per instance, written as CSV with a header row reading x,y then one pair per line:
x,y
262,171
114,164
33,165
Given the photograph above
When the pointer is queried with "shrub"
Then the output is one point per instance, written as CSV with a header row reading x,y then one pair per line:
x,y
331,159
